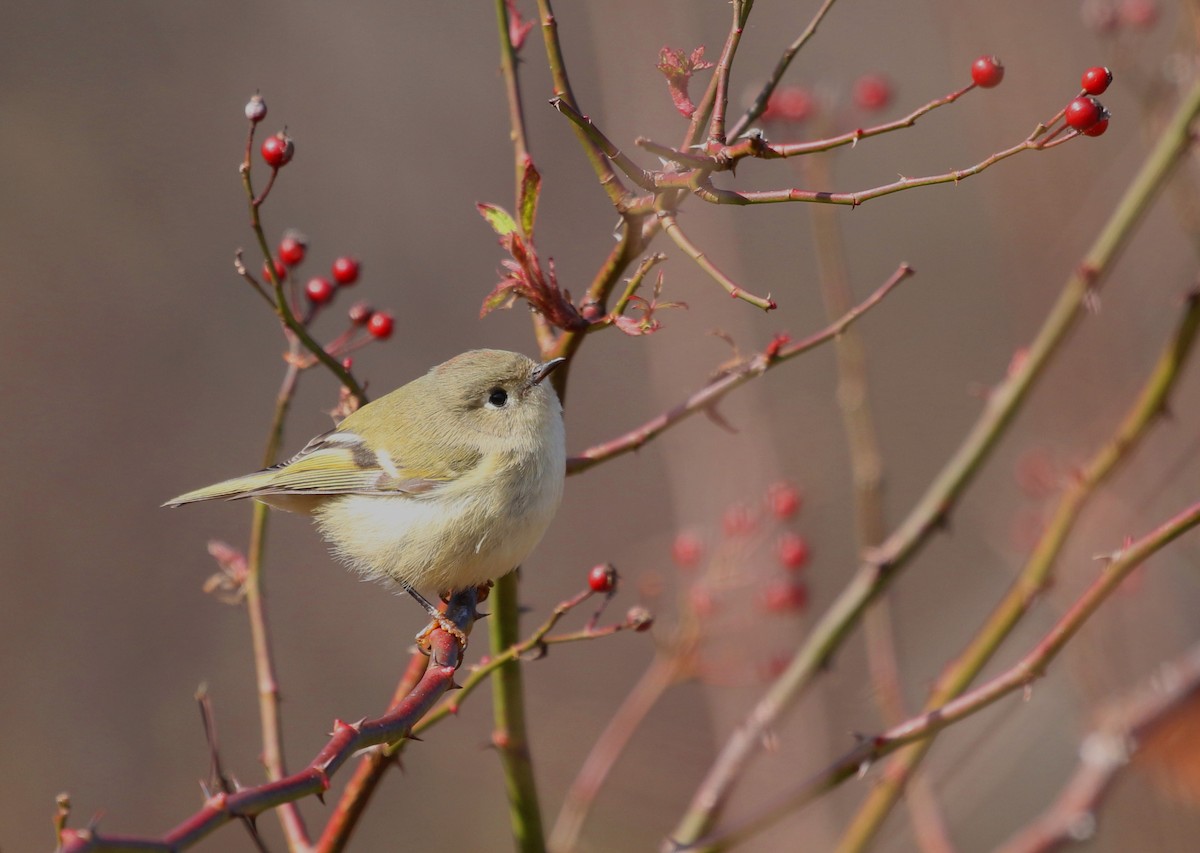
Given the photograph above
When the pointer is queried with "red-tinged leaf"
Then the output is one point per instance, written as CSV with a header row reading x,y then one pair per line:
x,y
499,218
531,188
678,68
682,305
629,326
518,28
502,296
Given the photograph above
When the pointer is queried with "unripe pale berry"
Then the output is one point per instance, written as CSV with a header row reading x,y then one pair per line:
x,y
256,109
602,578
319,290
1083,112
987,72
380,325
1095,80
292,248
360,313
277,150
346,270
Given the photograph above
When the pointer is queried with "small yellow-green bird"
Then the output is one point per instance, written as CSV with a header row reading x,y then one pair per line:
x,y
442,485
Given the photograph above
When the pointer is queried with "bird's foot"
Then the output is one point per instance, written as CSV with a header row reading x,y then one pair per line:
x,y
440,620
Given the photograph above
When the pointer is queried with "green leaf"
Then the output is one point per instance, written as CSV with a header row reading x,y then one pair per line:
x,y
527,199
497,217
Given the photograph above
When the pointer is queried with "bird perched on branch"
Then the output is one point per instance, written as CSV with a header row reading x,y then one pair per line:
x,y
442,485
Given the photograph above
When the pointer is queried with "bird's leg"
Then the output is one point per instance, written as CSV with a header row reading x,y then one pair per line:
x,y
440,620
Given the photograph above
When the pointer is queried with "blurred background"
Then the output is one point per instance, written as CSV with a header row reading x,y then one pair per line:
x,y
135,365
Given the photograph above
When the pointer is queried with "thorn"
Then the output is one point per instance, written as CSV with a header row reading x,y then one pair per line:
x,y
478,616
454,685
321,797
862,769
413,737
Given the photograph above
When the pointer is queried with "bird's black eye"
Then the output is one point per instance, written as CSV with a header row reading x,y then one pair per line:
x,y
497,398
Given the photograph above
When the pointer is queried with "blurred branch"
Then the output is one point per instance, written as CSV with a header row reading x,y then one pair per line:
x,y
346,740
217,780
664,670
1128,727
1036,575
885,563
777,352
1017,678
866,468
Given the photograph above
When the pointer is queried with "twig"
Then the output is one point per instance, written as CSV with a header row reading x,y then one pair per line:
x,y
719,196
1017,678
1127,727
346,740
609,181
764,94
885,563
712,393
716,128
639,175
283,309
371,767
732,288
254,587
1037,572
217,780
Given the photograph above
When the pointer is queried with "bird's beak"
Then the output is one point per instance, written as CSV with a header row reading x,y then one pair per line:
x,y
545,369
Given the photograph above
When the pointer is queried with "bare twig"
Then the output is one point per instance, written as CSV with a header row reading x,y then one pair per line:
x,y
346,740
731,287
733,377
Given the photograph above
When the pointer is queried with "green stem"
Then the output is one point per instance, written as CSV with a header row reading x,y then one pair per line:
x,y
508,709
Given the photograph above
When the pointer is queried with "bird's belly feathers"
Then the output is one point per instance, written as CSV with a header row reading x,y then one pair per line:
x,y
435,543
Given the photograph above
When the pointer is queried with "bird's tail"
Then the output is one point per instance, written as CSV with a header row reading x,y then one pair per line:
x,y
229,490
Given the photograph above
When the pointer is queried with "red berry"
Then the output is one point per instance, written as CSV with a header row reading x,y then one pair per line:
x,y
277,150
872,92
380,325
292,248
345,270
1098,128
256,109
360,313
792,551
785,597
790,103
1140,14
1096,80
783,499
319,290
1084,112
602,578
280,270
686,550
987,72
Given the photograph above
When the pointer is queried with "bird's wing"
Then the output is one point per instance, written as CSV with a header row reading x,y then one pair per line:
x,y
336,463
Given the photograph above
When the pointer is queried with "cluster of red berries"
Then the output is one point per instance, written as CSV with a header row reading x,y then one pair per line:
x,y
320,290
1086,114
788,594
